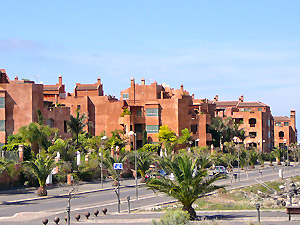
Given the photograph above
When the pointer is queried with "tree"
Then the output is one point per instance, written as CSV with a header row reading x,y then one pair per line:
x,y
37,135
109,161
41,167
117,139
253,156
167,137
76,125
223,129
187,186
278,153
186,137
144,160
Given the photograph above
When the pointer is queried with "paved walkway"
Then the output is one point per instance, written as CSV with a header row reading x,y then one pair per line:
x,y
27,194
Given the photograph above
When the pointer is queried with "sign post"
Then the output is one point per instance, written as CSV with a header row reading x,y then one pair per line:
x,y
118,167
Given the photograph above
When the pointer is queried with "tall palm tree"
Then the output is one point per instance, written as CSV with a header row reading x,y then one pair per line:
x,y
187,186
42,166
76,125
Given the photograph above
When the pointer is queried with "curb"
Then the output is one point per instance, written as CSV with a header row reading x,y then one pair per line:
x,y
64,195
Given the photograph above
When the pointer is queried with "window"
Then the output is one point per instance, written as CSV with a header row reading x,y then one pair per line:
x,y
138,128
151,112
65,126
269,123
125,96
2,125
252,134
245,109
50,122
269,134
2,102
281,134
278,124
139,112
252,122
152,128
194,128
286,123
259,109
78,107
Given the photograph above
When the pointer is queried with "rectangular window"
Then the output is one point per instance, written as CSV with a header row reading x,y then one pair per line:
x,y
138,128
65,126
245,109
2,102
269,123
194,128
2,125
125,96
286,123
259,109
278,124
152,128
151,112
252,134
269,134
78,107
139,112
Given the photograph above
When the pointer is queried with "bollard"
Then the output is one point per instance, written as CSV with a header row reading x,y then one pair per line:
x,y
56,220
104,210
66,219
77,217
128,200
96,212
87,215
45,221
257,205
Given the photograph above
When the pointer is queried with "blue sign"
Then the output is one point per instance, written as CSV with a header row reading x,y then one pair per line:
x,y
118,166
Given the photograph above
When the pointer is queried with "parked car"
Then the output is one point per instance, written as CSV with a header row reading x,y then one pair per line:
x,y
220,169
156,174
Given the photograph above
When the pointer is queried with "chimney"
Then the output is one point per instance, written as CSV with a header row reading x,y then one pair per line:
x,y
241,98
60,80
16,78
216,98
132,82
181,87
98,80
143,81
193,96
293,119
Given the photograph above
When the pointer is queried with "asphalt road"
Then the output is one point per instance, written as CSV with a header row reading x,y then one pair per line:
x,y
32,212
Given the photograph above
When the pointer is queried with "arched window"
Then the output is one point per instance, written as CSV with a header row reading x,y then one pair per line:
x,y
50,122
252,122
281,134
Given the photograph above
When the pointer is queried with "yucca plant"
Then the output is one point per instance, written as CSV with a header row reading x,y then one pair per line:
x,y
41,167
187,186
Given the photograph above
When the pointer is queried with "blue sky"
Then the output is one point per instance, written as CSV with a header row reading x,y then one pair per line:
x,y
212,47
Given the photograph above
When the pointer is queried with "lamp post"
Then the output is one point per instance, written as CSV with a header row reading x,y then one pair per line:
x,y
257,206
102,140
287,152
135,164
238,150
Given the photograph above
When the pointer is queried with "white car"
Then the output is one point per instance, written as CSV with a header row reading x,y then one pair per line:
x,y
220,169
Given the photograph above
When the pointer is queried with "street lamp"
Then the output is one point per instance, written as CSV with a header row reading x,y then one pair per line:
x,y
101,154
238,149
131,133
287,152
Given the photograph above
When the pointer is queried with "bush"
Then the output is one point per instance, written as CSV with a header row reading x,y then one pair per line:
x,y
86,175
174,217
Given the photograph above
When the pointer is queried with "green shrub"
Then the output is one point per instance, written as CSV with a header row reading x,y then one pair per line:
x,y
174,217
125,112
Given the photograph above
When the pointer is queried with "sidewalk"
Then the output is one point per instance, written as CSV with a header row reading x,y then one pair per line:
x,y
29,194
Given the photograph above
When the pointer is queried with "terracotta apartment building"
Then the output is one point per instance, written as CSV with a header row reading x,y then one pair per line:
x,y
140,107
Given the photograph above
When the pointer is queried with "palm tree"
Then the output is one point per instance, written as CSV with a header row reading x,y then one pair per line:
x,y
42,166
37,135
144,160
76,125
253,156
224,129
187,186
186,137
278,153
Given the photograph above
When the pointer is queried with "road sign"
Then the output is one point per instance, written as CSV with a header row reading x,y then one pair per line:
x,y
118,166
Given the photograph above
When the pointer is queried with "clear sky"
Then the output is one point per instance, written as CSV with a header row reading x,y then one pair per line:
x,y
229,48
